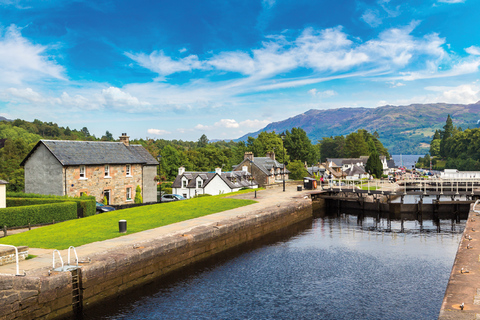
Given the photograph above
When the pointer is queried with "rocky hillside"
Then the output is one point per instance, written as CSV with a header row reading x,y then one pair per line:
x,y
402,129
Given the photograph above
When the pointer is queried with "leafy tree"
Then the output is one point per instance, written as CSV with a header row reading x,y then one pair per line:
x,y
356,145
170,161
299,146
297,170
85,132
138,195
202,142
108,136
374,165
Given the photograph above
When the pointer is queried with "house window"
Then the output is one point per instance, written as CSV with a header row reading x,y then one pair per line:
x,y
107,170
199,183
129,194
82,171
128,170
83,194
185,195
184,183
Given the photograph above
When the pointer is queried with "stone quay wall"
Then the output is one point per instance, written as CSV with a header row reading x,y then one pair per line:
x,y
7,254
116,271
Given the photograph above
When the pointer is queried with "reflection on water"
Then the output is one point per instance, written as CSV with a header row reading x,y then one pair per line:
x,y
327,268
409,199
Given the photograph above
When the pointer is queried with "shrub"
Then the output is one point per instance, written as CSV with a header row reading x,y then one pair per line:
x,y
167,190
85,205
202,195
138,195
36,214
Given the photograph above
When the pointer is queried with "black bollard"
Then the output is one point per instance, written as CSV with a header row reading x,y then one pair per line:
x,y
122,226
255,193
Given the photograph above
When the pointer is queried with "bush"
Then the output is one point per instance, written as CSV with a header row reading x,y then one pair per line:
x,y
202,195
36,214
138,195
167,190
85,205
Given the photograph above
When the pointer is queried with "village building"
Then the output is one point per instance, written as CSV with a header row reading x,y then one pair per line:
x,y
190,184
3,193
354,168
265,170
110,170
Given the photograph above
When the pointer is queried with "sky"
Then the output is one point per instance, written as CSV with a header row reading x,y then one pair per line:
x,y
179,69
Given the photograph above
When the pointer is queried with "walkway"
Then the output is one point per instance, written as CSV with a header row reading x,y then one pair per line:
x,y
266,198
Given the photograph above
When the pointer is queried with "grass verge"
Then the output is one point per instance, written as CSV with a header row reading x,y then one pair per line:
x,y
105,226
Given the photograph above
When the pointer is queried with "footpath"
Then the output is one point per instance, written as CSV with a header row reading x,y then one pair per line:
x,y
43,262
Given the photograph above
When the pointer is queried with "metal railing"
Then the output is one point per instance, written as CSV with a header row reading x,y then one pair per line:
x,y
16,258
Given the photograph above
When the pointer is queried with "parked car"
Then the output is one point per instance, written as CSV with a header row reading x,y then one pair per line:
x,y
172,197
101,208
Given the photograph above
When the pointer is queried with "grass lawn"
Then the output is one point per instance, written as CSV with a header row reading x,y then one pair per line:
x,y
105,226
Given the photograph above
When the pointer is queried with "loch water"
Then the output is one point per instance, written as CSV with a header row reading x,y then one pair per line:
x,y
330,267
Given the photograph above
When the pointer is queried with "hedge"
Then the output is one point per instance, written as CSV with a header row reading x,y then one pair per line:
x,y
85,205
42,213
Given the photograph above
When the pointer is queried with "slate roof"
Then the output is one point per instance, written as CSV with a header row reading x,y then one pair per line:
x,y
355,170
71,153
315,169
3,182
240,177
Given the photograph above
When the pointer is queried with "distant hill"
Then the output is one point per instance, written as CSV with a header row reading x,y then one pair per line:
x,y
402,129
4,119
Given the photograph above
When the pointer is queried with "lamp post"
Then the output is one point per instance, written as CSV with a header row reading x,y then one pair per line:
x,y
159,158
282,135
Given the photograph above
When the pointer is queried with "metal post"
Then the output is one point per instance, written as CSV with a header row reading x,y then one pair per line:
x,y
282,135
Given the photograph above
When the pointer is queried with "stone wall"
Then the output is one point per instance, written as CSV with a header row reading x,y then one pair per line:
x,y
115,272
96,183
8,255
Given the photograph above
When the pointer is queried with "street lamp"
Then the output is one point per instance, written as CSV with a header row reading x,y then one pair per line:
x,y
282,135
159,158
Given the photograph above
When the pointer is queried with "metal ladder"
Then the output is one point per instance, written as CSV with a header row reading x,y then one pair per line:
x,y
16,259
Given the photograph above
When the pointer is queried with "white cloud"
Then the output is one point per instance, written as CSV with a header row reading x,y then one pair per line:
x,y
158,132
117,98
202,127
452,1
254,124
227,123
371,18
22,62
158,62
465,94
27,94
473,50
394,84
322,94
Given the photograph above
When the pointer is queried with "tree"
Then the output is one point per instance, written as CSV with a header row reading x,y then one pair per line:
x,y
202,142
170,161
374,165
297,170
299,146
85,132
138,195
356,145
108,136
446,133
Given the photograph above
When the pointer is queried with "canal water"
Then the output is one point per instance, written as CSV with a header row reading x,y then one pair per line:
x,y
330,267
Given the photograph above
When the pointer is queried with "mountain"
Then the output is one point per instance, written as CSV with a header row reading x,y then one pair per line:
x,y
402,129
4,119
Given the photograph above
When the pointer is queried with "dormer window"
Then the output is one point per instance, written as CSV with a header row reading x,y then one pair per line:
x,y
199,183
184,183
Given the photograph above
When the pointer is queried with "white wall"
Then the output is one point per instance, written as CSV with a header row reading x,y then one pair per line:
x,y
218,186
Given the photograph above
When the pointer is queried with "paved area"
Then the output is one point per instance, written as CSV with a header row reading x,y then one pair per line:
x,y
266,198
464,283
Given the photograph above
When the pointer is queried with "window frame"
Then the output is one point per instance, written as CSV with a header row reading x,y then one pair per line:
x,y
106,168
128,194
128,170
83,175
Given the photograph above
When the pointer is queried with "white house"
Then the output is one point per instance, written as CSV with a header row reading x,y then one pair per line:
x,y
189,183
3,193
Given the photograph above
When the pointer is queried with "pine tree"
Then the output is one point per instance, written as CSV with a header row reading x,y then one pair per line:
x,y
138,195
374,165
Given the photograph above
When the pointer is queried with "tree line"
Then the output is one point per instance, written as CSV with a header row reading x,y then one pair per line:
x,y
453,148
293,148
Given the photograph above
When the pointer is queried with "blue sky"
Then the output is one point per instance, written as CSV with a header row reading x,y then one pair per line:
x,y
180,69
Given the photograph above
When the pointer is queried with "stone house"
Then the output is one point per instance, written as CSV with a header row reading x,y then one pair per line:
x,y
265,170
189,184
100,169
3,193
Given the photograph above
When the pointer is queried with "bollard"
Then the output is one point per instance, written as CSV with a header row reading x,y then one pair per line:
x,y
4,231
255,193
122,226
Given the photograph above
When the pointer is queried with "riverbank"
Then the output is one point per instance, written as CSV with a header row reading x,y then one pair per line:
x,y
114,266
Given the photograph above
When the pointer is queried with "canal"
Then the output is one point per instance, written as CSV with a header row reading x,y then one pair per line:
x,y
329,267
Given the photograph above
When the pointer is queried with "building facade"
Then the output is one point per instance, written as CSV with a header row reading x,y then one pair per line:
x,y
265,170
110,170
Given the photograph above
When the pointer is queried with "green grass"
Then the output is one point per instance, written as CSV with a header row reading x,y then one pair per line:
x,y
372,188
105,226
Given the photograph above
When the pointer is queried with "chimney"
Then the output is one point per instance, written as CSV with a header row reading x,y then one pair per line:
x,y
218,170
125,139
181,170
248,155
271,155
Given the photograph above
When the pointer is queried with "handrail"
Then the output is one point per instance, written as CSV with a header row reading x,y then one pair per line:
x,y
76,257
476,202
61,260
16,257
